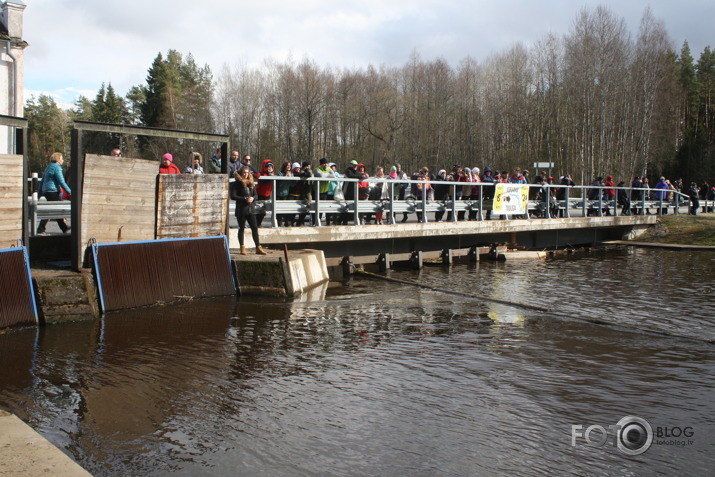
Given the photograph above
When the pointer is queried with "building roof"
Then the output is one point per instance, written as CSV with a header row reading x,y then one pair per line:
x,y
16,42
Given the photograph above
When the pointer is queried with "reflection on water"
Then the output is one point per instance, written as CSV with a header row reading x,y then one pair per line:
x,y
377,378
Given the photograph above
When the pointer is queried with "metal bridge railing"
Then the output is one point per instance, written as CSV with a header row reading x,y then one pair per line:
x,y
575,199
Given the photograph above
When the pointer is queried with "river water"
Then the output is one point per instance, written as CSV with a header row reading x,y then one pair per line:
x,y
383,378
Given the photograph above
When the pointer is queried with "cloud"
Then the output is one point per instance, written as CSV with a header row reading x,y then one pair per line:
x,y
76,45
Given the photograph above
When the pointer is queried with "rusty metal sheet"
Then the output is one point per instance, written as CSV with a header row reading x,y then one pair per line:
x,y
135,274
17,299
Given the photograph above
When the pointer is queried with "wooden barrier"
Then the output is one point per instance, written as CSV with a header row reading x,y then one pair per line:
x,y
11,197
125,200
118,199
191,205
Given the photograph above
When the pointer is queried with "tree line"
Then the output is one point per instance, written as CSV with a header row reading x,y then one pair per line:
x,y
596,101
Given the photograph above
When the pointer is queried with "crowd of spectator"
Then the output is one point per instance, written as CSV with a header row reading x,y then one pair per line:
x,y
472,183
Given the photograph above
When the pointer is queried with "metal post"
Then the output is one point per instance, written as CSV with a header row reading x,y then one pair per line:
x,y
567,209
391,216
224,158
481,201
424,202
584,196
317,222
615,202
453,187
677,203
77,178
356,215
274,217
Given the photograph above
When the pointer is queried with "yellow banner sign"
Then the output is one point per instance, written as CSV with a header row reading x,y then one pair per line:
x,y
510,199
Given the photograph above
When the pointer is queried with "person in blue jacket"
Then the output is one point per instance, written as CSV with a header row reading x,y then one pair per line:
x,y
52,182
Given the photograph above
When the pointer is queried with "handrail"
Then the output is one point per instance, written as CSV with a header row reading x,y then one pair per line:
x,y
41,209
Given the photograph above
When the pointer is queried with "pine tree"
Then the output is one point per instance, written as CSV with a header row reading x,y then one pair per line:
x,y
48,131
695,154
177,95
106,107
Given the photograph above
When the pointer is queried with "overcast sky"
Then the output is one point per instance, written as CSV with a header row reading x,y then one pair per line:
x,y
75,45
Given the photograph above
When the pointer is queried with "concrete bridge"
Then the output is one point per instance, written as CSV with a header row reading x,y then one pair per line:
x,y
401,238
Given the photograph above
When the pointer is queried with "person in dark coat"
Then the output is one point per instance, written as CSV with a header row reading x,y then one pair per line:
x,y
694,194
243,191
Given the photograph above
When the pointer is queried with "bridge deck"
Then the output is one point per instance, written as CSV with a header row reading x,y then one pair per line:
x,y
344,240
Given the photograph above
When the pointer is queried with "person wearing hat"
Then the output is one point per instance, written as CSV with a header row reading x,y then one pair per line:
x,y
323,170
442,193
351,173
488,189
402,186
264,187
301,190
476,193
283,191
194,166
167,165
661,193
333,189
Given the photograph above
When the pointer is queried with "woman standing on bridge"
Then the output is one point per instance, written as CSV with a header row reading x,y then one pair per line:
x,y
243,191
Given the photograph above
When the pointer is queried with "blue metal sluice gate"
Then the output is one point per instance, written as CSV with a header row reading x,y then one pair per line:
x,y
135,274
17,300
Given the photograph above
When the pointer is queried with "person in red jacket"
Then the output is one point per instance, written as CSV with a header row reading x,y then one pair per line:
x,y
167,165
264,188
609,192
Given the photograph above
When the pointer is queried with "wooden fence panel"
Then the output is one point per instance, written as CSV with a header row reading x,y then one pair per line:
x,y
11,197
118,199
191,205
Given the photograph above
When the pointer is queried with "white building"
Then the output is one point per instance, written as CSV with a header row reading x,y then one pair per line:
x,y
12,52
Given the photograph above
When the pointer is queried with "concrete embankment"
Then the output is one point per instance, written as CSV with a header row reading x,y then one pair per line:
x,y
64,295
279,272
24,452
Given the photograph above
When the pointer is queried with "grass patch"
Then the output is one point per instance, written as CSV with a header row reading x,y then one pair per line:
x,y
684,229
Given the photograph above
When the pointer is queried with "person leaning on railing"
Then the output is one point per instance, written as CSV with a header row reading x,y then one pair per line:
x,y
488,189
476,193
283,192
661,194
623,198
302,190
264,188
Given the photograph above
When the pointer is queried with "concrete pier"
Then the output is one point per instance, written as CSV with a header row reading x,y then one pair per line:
x,y
63,295
280,273
24,452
